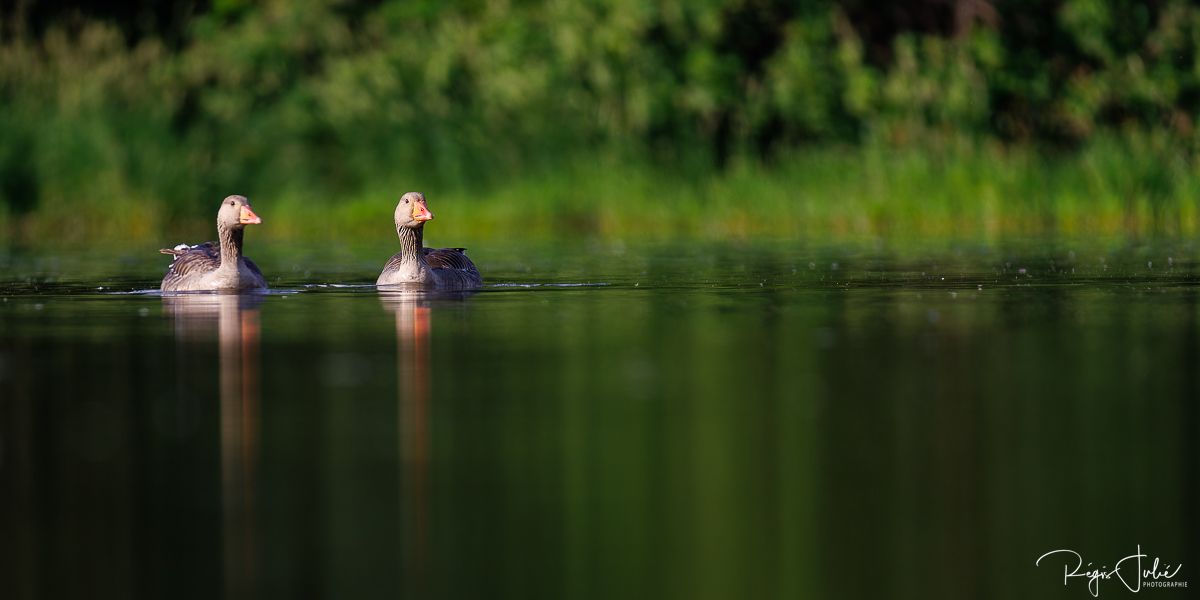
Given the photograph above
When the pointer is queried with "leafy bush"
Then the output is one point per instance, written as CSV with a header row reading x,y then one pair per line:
x,y
325,100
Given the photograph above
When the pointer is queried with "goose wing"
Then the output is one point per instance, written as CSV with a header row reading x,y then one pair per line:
x,y
190,262
394,262
452,268
254,269
449,258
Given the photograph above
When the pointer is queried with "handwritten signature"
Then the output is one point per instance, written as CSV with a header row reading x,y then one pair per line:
x,y
1133,581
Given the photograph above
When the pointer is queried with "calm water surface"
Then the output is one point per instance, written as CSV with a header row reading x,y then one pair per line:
x,y
772,420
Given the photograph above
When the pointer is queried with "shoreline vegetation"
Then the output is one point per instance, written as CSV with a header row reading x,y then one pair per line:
x,y
727,119
1114,188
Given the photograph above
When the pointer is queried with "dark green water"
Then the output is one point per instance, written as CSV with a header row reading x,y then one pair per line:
x,y
698,421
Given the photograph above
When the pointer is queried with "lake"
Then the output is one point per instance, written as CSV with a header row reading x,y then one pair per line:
x,y
604,420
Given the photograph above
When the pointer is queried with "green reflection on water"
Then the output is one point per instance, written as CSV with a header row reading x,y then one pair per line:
x,y
765,420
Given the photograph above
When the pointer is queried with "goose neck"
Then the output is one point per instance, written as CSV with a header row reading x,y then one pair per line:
x,y
231,245
411,243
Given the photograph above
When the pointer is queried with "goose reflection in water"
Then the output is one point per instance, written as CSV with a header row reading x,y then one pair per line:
x,y
413,310
234,318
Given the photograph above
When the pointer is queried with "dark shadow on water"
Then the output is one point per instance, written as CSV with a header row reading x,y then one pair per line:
x,y
772,425
234,319
413,314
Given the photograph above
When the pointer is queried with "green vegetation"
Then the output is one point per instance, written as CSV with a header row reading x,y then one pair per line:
x,y
610,117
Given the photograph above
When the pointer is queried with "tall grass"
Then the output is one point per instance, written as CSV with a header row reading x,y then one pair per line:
x,y
608,118
1114,187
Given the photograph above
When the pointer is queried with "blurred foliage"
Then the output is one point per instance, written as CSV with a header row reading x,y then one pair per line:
x,y
173,104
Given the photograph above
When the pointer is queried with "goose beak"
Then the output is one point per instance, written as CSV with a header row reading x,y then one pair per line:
x,y
420,213
248,217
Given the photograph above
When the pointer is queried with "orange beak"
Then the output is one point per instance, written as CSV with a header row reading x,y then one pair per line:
x,y
248,217
421,213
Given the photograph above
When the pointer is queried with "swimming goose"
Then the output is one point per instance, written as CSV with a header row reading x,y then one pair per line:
x,y
428,267
210,266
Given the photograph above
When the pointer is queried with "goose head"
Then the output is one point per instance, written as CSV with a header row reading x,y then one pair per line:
x,y
411,211
235,213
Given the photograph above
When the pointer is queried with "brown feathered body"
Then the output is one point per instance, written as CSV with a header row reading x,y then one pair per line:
x,y
198,268
414,264
219,265
446,268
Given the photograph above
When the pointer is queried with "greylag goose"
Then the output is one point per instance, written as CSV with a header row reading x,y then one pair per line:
x,y
217,265
428,267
